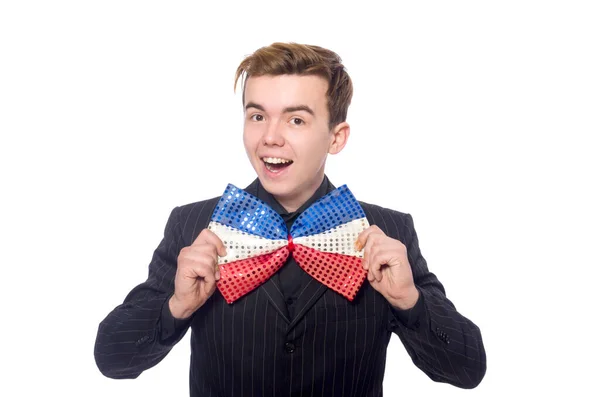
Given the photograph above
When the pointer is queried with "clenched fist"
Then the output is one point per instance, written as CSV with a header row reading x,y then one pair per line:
x,y
197,274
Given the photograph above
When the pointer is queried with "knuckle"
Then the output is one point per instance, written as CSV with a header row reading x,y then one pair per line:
x,y
202,236
205,250
212,246
201,259
202,249
182,261
202,271
373,250
207,233
209,262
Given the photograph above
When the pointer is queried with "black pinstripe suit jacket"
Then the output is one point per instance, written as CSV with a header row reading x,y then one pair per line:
x,y
332,347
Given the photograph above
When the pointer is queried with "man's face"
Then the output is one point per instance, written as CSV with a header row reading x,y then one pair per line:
x,y
286,134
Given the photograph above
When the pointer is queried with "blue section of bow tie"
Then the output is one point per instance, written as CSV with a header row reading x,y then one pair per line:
x,y
334,209
241,210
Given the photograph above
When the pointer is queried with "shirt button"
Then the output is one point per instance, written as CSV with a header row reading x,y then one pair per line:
x,y
289,301
289,347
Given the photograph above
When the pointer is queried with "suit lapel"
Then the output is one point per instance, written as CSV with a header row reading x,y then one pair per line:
x,y
273,291
310,294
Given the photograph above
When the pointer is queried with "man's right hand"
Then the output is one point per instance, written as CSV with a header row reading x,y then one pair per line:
x,y
197,274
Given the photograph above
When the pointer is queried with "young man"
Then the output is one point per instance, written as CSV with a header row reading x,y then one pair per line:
x,y
291,335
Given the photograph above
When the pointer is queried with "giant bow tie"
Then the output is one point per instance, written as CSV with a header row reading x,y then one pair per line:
x,y
258,243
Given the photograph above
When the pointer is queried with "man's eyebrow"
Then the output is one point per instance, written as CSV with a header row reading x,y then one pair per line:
x,y
254,105
289,109
304,108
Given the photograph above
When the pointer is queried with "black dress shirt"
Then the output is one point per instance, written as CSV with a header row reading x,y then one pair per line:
x,y
291,277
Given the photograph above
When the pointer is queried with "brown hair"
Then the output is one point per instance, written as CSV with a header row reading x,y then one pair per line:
x,y
304,60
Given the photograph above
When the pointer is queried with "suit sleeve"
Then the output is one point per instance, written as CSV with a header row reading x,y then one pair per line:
x,y
139,333
440,341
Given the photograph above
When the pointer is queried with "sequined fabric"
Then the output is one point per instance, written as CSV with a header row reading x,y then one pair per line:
x,y
258,243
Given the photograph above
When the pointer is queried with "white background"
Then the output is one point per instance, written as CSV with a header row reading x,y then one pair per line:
x,y
479,118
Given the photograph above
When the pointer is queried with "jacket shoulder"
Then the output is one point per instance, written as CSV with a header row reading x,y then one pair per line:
x,y
194,217
393,223
382,211
199,206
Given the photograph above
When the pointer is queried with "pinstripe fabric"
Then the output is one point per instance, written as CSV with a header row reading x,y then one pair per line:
x,y
332,347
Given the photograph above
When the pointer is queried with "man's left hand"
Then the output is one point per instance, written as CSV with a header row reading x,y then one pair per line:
x,y
388,268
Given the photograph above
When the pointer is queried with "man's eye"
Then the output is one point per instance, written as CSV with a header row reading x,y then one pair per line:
x,y
297,121
257,117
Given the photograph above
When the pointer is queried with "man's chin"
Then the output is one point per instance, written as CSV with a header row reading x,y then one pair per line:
x,y
277,188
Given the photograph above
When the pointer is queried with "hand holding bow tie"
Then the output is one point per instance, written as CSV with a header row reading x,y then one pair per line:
x,y
389,270
321,240
326,241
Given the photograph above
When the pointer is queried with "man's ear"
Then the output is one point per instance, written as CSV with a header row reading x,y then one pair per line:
x,y
339,137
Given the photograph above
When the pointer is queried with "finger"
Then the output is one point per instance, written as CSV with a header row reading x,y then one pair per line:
x,y
365,261
377,264
204,271
382,255
369,250
208,237
212,260
204,249
210,282
200,259
202,254
217,242
363,237
201,238
379,256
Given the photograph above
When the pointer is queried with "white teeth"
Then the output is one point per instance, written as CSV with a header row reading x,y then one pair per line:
x,y
275,160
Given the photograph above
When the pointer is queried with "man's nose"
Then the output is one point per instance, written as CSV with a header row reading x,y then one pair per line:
x,y
273,135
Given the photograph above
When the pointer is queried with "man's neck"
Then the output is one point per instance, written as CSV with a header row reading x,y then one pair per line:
x,y
291,204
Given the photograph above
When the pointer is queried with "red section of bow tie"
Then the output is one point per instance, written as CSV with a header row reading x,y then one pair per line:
x,y
342,273
240,277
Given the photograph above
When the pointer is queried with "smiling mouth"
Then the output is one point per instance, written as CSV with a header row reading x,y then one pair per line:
x,y
275,164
